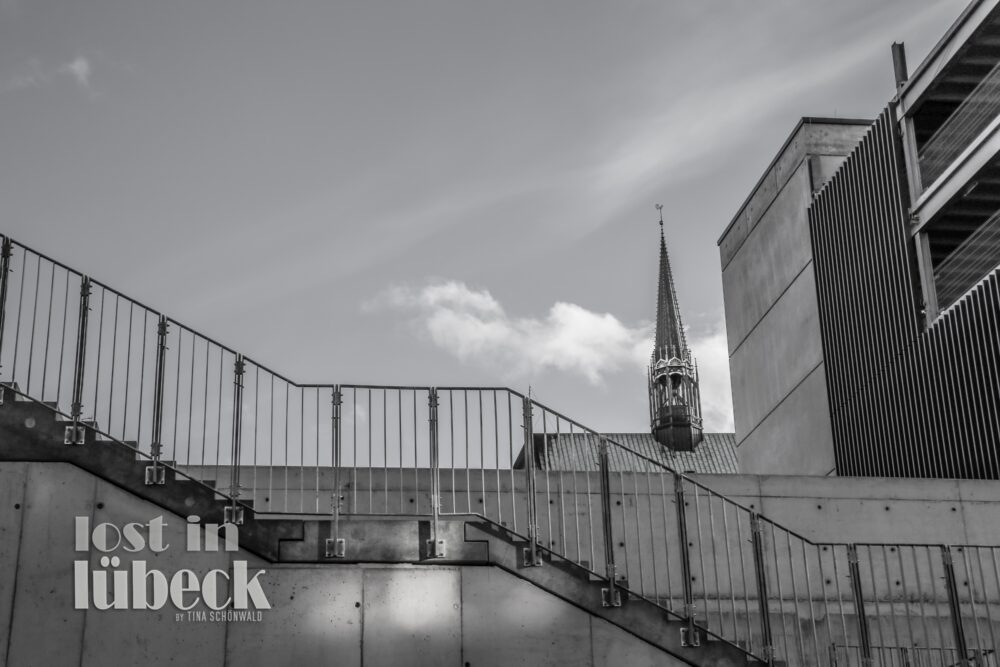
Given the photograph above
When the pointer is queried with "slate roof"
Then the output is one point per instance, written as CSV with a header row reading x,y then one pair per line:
x,y
716,454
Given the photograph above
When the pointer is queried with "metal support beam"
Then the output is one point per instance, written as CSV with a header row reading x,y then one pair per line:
x,y
435,545
689,634
336,546
954,607
757,538
156,473
74,432
5,253
531,556
610,596
234,512
864,637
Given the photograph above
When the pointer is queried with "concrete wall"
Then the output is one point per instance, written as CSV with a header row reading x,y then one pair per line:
x,y
337,614
776,359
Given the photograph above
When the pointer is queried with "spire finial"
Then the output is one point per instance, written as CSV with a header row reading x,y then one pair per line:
x,y
659,207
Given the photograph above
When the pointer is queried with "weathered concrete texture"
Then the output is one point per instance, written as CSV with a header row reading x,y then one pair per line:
x,y
795,436
538,629
853,509
414,613
13,477
772,256
149,637
316,619
507,621
781,351
46,629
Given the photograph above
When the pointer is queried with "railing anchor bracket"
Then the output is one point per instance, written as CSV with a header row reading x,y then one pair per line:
x,y
233,514
156,475
436,549
530,558
611,597
75,435
336,547
690,638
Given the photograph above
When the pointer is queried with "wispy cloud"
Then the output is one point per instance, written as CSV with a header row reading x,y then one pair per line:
x,y
79,69
34,74
471,325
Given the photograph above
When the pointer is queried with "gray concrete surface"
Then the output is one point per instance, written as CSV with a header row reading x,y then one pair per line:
x,y
782,421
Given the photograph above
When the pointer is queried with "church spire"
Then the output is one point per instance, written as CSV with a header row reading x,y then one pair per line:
x,y
674,394
670,339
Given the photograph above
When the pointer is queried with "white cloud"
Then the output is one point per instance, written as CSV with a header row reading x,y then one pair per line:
x,y
33,74
472,326
79,69
712,353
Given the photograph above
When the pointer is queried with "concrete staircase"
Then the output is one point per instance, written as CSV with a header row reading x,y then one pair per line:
x,y
35,431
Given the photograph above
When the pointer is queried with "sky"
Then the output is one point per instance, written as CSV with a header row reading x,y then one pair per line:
x,y
426,193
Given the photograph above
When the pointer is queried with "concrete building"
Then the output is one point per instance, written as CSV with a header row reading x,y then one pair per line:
x,y
780,402
862,302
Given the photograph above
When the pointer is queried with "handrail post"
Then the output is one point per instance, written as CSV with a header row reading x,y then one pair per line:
x,y
5,252
435,545
74,432
757,538
531,557
156,473
234,511
336,546
954,606
689,634
864,638
610,596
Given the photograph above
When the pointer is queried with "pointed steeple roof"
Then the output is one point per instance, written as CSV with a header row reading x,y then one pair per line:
x,y
670,339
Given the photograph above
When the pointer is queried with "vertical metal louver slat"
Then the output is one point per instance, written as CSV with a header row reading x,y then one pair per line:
x,y
857,309
967,399
901,245
990,345
819,223
952,402
856,429
914,438
977,367
878,306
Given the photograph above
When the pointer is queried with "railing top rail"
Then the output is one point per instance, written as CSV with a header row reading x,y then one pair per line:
x,y
387,387
70,269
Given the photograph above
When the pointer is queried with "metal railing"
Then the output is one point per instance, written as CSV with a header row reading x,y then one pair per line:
x,y
976,112
180,399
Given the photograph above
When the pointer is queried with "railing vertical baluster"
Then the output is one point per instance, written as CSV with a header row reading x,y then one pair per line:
x,y
336,546
5,252
954,606
156,473
435,545
74,432
610,596
757,540
864,638
234,512
531,557
689,634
